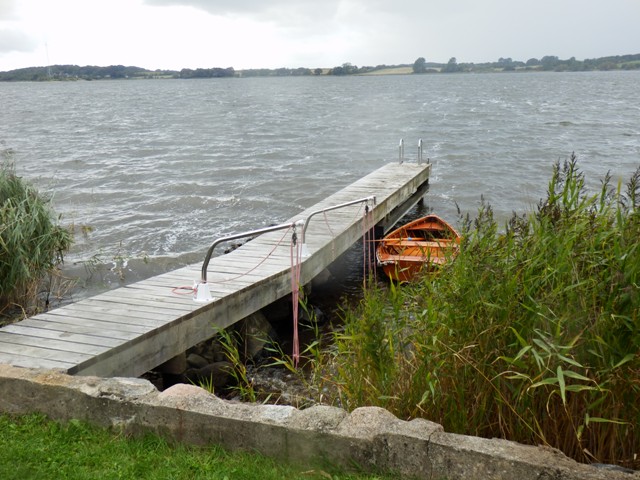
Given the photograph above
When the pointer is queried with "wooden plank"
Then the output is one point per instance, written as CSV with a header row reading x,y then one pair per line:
x,y
220,288
18,360
143,298
42,353
234,275
187,279
130,309
83,314
246,263
51,344
66,336
91,310
89,327
157,297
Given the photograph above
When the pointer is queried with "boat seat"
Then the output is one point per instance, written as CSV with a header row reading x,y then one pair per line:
x,y
443,242
413,258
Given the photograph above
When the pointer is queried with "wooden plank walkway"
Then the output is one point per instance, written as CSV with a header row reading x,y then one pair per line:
x,y
133,329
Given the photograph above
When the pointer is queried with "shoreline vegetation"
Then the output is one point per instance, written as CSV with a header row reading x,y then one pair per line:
x,y
32,243
420,66
532,334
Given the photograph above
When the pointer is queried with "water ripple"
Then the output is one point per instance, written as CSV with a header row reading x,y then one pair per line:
x,y
162,167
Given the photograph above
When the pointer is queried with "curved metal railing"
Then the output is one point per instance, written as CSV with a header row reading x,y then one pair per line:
x,y
371,199
237,236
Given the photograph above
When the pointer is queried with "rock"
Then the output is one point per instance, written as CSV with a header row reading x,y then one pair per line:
x,y
258,333
196,361
324,278
313,315
216,374
175,365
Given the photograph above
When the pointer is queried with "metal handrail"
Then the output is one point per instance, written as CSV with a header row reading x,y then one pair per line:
x,y
237,236
334,207
201,291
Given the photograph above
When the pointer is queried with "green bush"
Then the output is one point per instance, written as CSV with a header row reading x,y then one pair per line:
x,y
532,334
31,244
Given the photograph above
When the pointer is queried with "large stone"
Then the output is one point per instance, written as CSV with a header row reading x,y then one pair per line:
x,y
258,333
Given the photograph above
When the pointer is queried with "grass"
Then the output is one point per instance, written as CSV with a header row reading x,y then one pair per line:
x,y
31,244
36,448
532,334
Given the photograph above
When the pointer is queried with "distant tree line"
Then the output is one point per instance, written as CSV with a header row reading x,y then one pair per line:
x,y
420,66
280,72
207,73
548,63
73,72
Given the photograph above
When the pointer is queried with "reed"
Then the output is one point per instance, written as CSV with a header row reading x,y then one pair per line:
x,y
31,242
242,385
532,334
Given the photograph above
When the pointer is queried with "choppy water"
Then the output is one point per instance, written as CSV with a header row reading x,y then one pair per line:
x,y
160,168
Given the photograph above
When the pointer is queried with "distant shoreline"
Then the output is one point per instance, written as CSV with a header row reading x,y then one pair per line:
x,y
419,67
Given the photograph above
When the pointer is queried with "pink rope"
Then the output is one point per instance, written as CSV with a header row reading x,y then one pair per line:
x,y
264,259
365,250
368,245
372,246
189,290
296,268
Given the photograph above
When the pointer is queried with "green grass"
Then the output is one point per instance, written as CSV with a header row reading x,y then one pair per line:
x,y
532,334
36,448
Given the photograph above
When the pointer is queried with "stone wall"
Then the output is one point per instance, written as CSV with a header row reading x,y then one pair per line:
x,y
370,437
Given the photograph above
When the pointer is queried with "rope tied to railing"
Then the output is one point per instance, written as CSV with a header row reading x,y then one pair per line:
x,y
296,270
201,289
368,245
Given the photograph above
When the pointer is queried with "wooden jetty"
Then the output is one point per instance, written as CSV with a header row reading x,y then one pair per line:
x,y
133,329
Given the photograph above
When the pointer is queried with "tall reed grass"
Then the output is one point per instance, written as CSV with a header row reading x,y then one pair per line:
x,y
31,243
532,334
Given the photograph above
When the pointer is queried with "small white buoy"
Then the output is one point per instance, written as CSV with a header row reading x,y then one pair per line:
x,y
201,292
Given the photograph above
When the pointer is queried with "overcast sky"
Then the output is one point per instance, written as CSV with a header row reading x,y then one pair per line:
x,y
173,34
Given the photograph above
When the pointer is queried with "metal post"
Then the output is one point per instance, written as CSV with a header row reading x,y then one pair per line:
x,y
419,151
401,151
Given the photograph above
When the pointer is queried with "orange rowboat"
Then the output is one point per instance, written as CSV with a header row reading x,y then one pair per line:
x,y
425,243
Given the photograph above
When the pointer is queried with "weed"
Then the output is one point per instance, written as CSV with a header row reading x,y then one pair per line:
x,y
31,242
242,384
532,334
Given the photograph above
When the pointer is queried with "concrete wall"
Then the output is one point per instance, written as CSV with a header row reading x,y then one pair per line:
x,y
370,437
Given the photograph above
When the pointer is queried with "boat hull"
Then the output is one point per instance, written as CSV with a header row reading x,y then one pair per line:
x,y
422,245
